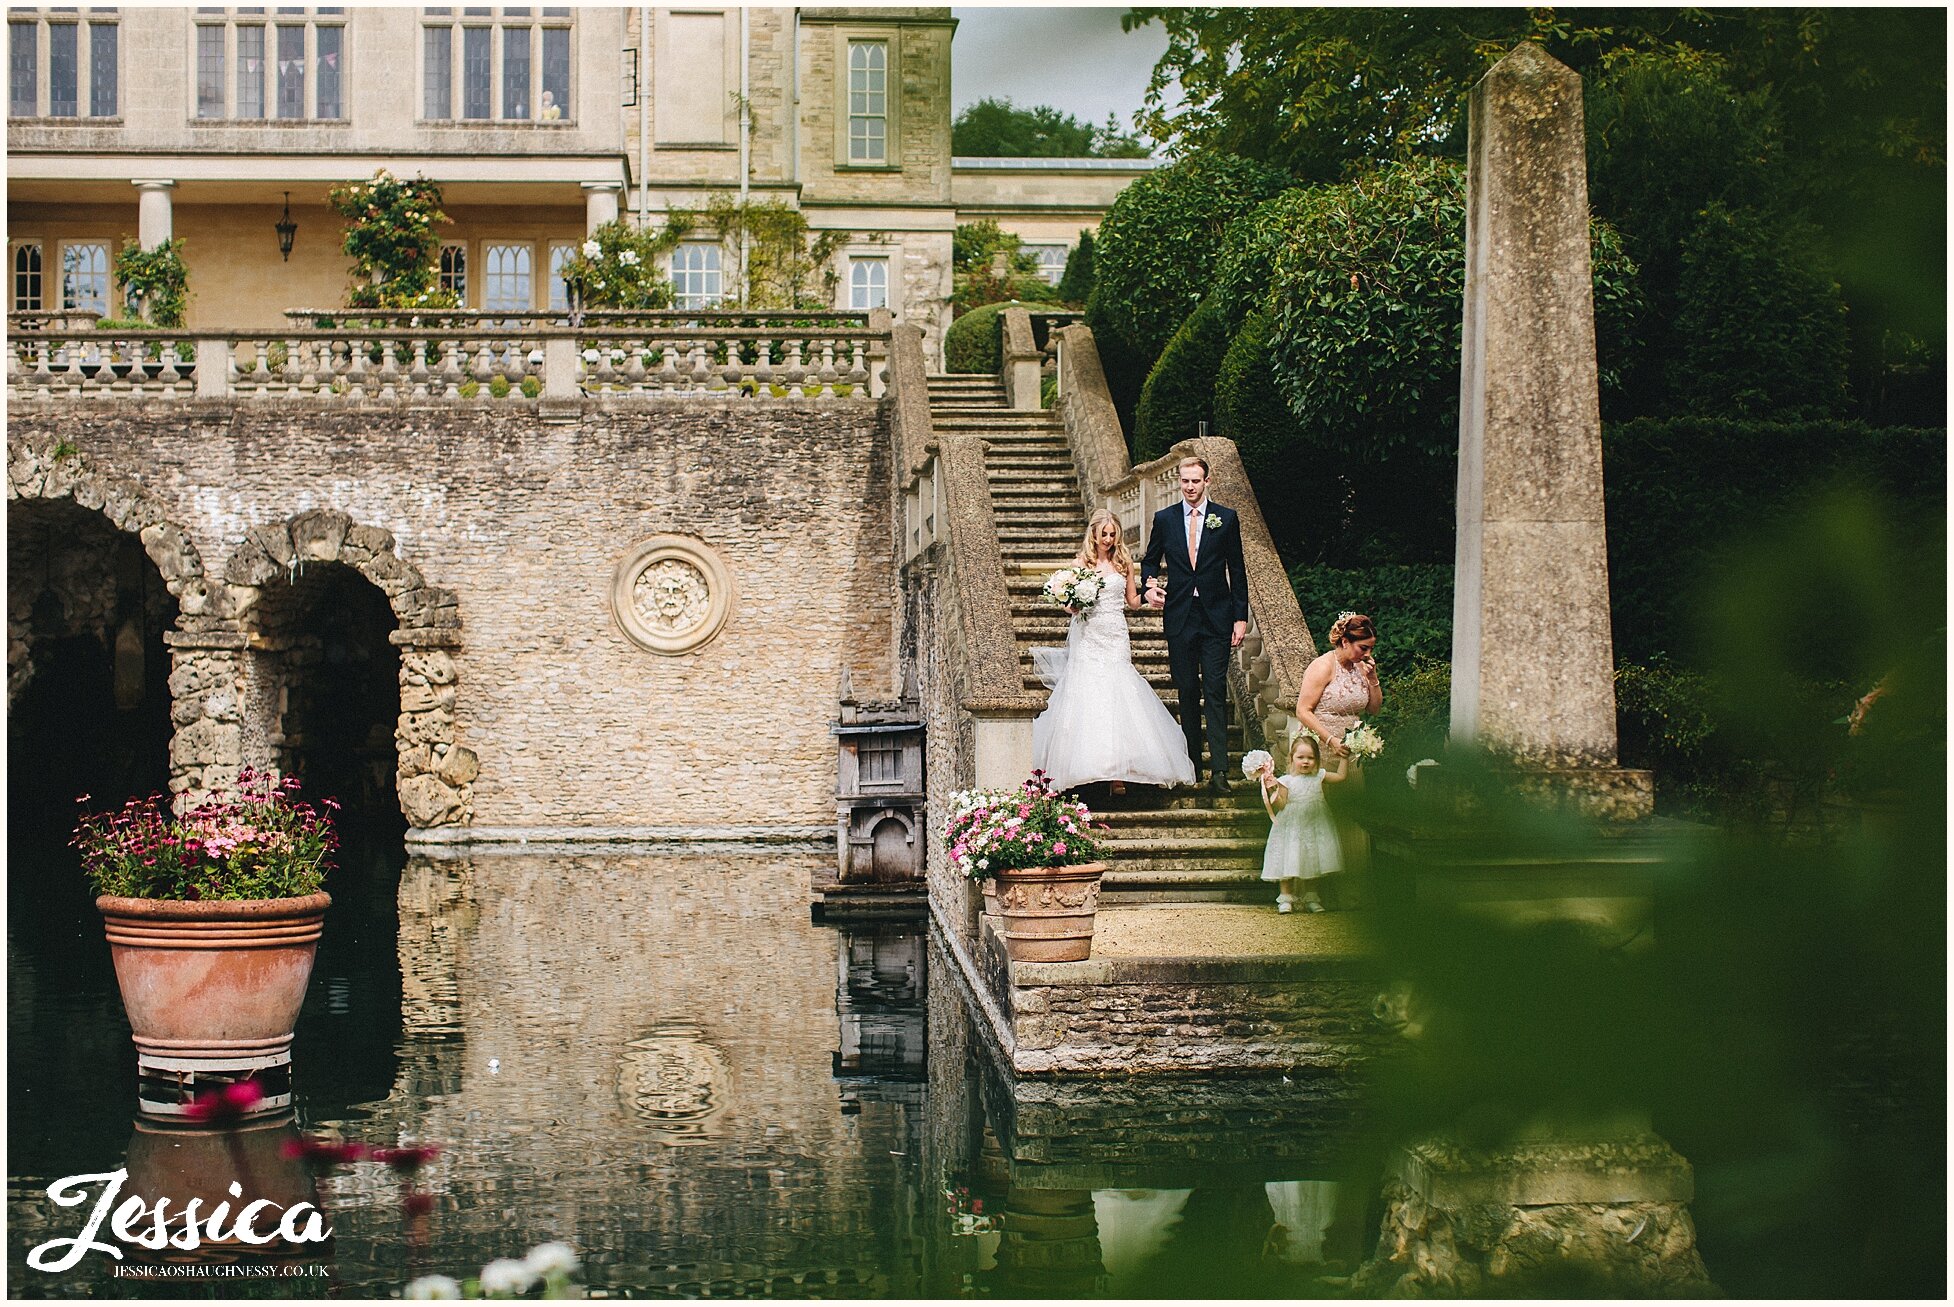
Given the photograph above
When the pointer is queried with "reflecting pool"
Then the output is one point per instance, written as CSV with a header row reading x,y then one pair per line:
x,y
658,1058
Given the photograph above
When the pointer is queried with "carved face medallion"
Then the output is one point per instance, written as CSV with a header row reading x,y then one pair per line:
x,y
671,594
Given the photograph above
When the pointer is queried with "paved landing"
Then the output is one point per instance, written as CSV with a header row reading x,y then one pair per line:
x,y
1223,931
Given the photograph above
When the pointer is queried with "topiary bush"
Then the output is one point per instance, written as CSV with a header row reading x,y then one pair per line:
x,y
1179,392
1075,287
1411,603
1156,248
975,341
1303,497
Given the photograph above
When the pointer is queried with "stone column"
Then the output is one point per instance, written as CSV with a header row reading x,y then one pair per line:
x,y
600,204
207,710
153,212
1532,658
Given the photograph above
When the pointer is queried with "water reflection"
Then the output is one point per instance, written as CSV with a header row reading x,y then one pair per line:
x,y
659,1059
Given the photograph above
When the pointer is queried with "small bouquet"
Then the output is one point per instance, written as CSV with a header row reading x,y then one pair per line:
x,y
1363,742
1073,587
1002,830
1254,761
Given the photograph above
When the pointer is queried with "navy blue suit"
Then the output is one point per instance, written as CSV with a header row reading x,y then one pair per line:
x,y
1200,626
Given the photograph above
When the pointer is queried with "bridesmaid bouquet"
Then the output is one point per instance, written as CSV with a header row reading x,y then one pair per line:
x,y
1363,742
1254,761
1072,587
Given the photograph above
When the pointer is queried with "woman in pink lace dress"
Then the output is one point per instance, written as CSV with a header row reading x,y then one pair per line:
x,y
1338,689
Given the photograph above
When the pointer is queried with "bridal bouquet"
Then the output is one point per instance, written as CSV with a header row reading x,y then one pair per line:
x,y
1002,830
1363,742
1073,587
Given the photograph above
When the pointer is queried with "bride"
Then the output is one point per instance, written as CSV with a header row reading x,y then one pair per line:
x,y
1105,723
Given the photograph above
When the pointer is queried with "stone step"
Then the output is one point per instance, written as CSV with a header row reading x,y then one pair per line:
x,y
1145,883
1184,823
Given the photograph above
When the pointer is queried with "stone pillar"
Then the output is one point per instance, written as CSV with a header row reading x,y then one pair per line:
x,y
207,710
1532,658
600,204
153,212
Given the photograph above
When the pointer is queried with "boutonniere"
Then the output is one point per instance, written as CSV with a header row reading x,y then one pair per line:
x,y
1214,520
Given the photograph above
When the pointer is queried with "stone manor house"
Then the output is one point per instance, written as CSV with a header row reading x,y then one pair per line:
x,y
217,124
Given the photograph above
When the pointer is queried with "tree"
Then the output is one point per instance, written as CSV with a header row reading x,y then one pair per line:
x,y
392,238
975,251
998,128
1075,287
1857,98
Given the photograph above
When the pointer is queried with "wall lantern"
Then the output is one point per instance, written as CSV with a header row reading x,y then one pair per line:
x,y
286,229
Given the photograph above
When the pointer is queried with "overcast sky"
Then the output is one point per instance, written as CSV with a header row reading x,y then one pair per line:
x,y
1074,58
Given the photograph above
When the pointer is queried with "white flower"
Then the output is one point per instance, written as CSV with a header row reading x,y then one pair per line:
x,y
590,249
983,864
1255,760
507,1275
430,1287
629,258
553,1258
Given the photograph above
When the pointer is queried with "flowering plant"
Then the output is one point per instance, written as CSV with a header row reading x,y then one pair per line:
x,y
1363,741
1073,587
262,843
616,267
967,1214
1003,830
392,239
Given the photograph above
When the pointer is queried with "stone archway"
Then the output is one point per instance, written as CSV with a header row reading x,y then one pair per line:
x,y
52,470
434,773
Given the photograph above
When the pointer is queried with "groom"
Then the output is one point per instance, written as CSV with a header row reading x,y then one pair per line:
x,y
1206,604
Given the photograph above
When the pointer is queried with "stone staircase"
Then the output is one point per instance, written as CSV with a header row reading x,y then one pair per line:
x,y
1166,845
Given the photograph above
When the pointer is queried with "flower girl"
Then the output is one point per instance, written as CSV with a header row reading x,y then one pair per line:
x,y
1303,840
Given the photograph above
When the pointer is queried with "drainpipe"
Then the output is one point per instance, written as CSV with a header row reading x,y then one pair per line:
x,y
746,143
794,109
644,116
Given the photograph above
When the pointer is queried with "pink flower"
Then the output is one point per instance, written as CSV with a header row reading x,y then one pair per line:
x,y
1059,847
406,1160
225,1104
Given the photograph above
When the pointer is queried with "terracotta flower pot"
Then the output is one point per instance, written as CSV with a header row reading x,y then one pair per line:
x,y
213,985
1048,911
988,887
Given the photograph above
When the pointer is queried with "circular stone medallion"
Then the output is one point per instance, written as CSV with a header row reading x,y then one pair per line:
x,y
671,594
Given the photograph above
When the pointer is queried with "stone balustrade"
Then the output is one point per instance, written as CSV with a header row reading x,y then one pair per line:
x,y
409,358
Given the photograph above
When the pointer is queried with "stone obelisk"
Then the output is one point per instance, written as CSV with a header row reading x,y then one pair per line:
x,y
1532,658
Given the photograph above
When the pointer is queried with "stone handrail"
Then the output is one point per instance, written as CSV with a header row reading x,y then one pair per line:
x,y
1018,360
1279,647
434,363
994,681
909,415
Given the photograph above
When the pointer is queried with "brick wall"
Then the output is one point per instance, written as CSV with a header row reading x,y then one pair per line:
x,y
525,523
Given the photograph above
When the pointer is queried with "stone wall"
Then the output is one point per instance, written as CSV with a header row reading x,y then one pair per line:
x,y
496,538
1251,1015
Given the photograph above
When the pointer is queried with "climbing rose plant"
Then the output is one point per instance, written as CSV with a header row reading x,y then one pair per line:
x,y
155,283
391,235
617,267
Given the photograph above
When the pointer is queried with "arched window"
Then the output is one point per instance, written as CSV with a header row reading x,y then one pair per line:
x,y
27,276
85,277
507,285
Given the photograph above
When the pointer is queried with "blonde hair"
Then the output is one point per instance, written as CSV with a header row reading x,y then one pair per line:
x,y
1088,555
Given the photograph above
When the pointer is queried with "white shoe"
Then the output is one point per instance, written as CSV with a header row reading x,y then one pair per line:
x,y
1285,904
1312,904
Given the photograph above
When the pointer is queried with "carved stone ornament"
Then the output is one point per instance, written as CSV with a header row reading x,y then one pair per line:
x,y
671,594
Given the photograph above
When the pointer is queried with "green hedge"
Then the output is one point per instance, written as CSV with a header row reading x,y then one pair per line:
x,y
1154,256
975,341
1680,492
1179,394
1411,604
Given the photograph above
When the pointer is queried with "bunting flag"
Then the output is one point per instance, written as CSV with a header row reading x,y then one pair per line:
x,y
330,60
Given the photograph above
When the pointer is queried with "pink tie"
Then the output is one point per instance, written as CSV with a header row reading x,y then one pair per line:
x,y
1193,536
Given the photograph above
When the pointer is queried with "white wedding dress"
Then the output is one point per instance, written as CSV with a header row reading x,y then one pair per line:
x,y
1104,723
